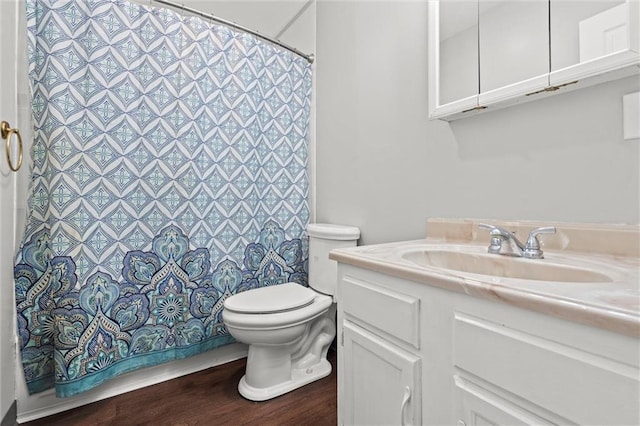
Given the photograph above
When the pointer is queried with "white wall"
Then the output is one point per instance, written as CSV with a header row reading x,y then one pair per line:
x,y
383,166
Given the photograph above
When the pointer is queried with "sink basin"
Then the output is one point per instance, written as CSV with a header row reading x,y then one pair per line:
x,y
502,266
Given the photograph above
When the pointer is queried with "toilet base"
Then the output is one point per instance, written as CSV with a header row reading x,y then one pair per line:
x,y
299,378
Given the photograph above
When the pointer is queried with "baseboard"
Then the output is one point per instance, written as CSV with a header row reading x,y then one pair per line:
x,y
10,419
32,407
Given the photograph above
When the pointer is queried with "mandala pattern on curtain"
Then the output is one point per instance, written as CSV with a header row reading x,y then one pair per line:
x,y
169,172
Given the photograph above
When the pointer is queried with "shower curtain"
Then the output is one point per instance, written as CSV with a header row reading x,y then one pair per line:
x,y
169,172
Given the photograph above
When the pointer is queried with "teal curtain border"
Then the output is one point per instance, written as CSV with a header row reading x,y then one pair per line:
x,y
84,383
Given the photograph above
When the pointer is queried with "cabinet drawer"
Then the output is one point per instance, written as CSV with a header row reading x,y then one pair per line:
x,y
393,313
547,375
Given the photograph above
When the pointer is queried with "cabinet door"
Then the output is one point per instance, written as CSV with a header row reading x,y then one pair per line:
x,y
381,381
591,37
475,405
457,48
514,48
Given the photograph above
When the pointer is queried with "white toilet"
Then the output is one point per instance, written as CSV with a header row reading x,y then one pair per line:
x,y
289,327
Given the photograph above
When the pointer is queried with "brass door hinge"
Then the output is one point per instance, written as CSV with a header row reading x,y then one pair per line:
x,y
477,108
551,88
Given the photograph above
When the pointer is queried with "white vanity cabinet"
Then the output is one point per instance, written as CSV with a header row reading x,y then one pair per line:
x,y
415,353
512,366
379,359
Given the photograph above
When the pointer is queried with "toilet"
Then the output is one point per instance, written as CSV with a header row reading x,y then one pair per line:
x,y
289,327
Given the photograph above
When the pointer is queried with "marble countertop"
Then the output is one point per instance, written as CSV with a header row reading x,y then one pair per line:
x,y
613,305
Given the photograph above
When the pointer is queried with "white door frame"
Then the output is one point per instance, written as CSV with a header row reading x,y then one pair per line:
x,y
8,179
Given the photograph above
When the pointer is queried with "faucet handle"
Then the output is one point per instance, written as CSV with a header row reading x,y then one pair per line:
x,y
487,226
496,237
532,248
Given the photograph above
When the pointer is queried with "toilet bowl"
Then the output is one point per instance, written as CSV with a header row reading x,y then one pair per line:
x,y
280,355
289,327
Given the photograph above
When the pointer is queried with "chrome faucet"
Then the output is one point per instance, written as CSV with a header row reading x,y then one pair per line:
x,y
500,236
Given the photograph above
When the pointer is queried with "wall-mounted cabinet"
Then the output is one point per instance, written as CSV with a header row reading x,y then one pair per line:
x,y
488,54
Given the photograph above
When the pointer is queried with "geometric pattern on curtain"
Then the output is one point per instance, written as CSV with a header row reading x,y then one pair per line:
x,y
169,172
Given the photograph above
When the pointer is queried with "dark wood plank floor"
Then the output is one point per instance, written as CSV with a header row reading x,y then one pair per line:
x,y
209,397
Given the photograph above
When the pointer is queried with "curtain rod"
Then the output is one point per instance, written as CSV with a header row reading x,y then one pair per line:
x,y
308,57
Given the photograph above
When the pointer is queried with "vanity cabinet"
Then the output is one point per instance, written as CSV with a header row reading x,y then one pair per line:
x,y
489,54
379,354
509,371
416,353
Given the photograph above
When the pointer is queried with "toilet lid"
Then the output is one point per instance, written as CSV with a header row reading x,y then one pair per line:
x,y
277,298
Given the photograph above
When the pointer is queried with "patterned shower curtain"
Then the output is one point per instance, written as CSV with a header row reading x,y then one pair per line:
x,y
169,172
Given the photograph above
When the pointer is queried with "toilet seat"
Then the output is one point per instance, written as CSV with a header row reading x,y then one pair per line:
x,y
274,320
271,300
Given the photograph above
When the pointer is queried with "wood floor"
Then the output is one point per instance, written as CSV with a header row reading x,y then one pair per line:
x,y
209,397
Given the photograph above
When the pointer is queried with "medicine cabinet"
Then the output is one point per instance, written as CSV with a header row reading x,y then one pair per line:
x,y
489,54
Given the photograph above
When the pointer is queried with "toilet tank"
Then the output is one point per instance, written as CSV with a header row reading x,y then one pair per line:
x,y
324,237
